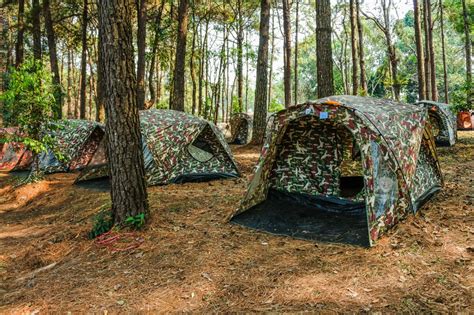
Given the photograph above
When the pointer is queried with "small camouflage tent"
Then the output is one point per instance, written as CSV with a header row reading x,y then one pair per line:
x,y
13,156
241,128
342,169
443,122
76,141
177,147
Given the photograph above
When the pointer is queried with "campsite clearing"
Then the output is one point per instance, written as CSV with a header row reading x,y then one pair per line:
x,y
191,259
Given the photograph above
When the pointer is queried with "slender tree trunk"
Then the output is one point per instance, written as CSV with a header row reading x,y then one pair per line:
x,y
434,87
191,65
324,49
354,48
36,20
19,46
443,53
101,84
272,49
427,55
419,52
177,100
240,62
287,52
153,65
363,76
82,110
260,106
202,62
468,48
69,84
141,46
296,50
246,73
391,52
53,58
123,137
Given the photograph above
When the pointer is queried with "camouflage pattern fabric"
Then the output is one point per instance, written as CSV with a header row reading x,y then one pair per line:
x,y
385,142
443,122
167,135
241,128
76,140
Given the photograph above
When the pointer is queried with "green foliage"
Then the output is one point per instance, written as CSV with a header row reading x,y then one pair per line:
x,y
28,104
136,222
103,222
275,106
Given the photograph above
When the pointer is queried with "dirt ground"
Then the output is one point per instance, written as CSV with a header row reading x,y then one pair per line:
x,y
192,260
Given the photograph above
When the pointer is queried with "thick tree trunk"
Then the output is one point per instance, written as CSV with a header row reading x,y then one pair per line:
x,y
468,48
141,45
324,49
443,53
19,46
287,52
153,62
123,137
82,109
354,48
177,100
363,75
53,58
419,52
36,21
260,106
297,22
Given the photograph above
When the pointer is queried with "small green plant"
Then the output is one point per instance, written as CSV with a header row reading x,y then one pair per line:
x,y
136,222
103,222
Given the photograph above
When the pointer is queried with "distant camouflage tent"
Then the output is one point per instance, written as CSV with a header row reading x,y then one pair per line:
x,y
77,141
13,156
241,128
443,122
177,147
342,169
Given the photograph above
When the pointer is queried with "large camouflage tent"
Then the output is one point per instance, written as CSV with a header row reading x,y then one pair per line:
x,y
342,169
241,128
443,122
13,155
76,140
177,147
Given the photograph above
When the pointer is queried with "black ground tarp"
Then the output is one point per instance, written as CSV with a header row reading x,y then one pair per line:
x,y
325,219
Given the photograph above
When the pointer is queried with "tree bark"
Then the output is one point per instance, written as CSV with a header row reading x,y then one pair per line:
x,y
427,55
468,47
419,52
19,46
153,65
82,109
354,48
36,21
123,137
240,62
443,53
287,52
260,105
100,105
434,87
363,75
324,61
177,100
53,58
192,67
141,46
69,84
297,22
272,50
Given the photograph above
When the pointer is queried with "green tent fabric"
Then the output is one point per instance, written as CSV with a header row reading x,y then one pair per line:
x,y
76,140
342,169
177,147
443,122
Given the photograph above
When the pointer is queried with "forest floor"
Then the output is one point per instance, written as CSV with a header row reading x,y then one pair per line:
x,y
190,259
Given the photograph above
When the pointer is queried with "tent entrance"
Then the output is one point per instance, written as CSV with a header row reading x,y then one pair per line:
x,y
316,186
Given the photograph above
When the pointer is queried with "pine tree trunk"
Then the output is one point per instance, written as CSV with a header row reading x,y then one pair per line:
x,y
419,52
468,48
240,62
354,48
123,137
363,76
296,51
141,46
287,52
434,87
272,50
324,49
443,53
177,100
153,62
82,109
192,67
100,105
69,84
36,21
19,46
427,55
53,58
260,105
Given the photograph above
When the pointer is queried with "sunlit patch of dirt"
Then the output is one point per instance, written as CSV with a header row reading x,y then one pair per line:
x,y
193,260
